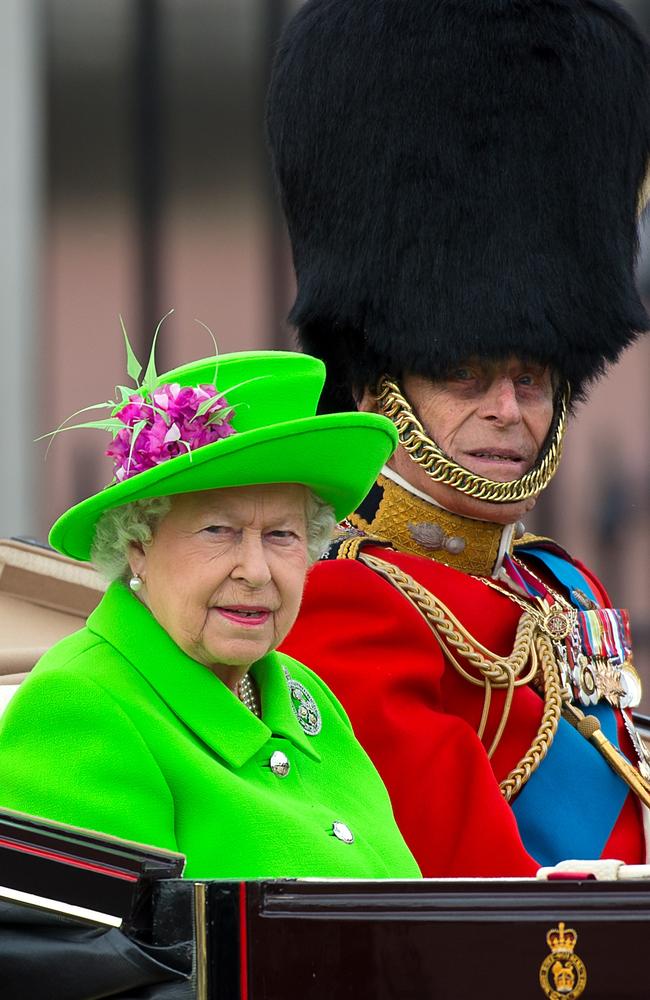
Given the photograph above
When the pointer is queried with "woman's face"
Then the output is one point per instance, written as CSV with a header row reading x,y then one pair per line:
x,y
224,572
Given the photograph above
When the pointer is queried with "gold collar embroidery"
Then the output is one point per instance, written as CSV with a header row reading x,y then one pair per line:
x,y
412,525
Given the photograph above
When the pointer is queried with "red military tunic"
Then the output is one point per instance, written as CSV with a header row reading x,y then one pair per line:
x,y
418,717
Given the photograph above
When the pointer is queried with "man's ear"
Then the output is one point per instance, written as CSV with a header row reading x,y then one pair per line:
x,y
367,403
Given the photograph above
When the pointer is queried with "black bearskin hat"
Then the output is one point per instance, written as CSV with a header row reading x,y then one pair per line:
x,y
461,177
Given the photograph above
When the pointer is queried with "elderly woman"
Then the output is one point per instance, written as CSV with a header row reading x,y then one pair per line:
x,y
170,719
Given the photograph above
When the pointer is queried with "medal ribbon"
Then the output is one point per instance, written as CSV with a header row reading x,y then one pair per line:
x,y
578,822
604,632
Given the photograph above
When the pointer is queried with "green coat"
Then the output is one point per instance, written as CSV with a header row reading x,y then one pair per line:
x,y
117,730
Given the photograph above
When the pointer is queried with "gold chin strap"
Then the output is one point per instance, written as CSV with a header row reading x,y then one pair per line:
x,y
442,469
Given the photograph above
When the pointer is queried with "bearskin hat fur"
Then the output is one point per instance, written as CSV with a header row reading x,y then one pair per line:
x,y
459,178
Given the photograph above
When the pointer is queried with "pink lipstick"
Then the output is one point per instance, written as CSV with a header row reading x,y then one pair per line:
x,y
243,615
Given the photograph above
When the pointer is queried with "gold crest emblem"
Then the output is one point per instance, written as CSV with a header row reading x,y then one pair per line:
x,y
563,975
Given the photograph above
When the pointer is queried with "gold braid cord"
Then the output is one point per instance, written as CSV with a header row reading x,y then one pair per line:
x,y
443,469
350,547
553,704
532,649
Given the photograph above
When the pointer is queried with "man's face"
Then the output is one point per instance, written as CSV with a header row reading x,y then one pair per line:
x,y
490,417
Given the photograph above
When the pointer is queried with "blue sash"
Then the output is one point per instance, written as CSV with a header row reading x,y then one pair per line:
x,y
570,805
565,572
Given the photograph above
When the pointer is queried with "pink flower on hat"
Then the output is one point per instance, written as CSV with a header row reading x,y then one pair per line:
x,y
167,422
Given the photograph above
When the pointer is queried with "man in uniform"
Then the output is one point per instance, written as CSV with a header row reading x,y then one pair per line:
x,y
462,182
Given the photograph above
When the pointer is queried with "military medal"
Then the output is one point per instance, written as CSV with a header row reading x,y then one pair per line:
x,y
584,679
601,665
592,645
559,622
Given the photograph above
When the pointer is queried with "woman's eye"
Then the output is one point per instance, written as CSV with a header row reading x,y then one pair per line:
x,y
282,536
462,375
217,529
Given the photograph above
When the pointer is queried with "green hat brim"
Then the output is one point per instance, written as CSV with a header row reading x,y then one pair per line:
x,y
320,452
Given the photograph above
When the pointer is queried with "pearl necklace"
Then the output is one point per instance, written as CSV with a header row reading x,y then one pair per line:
x,y
247,694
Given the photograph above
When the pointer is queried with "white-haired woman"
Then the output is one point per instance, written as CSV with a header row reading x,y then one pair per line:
x,y
170,719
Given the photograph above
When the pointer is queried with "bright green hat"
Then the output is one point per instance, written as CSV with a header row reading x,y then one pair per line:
x,y
275,438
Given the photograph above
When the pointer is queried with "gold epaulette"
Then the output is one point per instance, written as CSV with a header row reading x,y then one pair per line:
x,y
352,545
531,657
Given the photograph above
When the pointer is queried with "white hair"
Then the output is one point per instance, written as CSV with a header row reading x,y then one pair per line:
x,y
320,526
137,522
117,528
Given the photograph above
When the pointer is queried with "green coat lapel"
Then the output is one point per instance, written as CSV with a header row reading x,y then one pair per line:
x,y
195,695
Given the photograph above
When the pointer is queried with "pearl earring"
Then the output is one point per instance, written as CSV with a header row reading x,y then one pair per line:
x,y
135,583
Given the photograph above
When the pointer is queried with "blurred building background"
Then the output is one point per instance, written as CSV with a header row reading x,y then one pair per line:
x,y
135,179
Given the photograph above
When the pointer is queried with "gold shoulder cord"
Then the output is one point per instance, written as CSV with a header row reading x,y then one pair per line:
x,y
349,549
532,646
